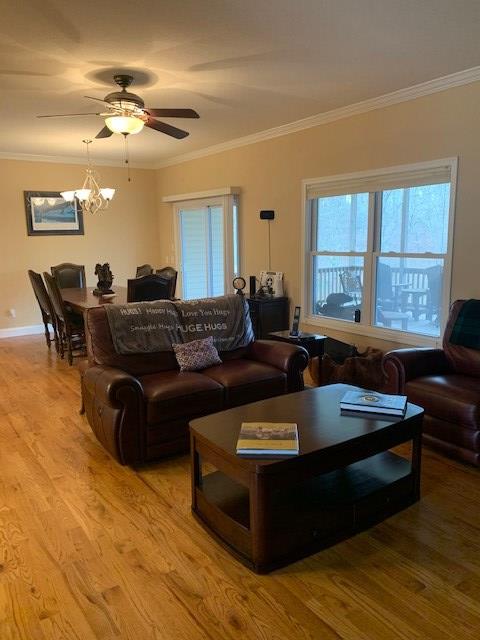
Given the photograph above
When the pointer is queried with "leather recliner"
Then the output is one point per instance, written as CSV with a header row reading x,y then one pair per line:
x,y
139,406
446,383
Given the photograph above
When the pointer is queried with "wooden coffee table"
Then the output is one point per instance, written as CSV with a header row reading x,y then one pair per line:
x,y
270,512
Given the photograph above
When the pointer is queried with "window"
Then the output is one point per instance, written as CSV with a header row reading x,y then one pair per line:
x,y
378,248
207,246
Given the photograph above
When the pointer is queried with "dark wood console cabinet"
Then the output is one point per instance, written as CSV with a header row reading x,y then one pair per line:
x,y
268,314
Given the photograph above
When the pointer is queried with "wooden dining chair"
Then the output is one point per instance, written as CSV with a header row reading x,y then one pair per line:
x,y
148,288
69,275
46,309
71,332
171,275
144,270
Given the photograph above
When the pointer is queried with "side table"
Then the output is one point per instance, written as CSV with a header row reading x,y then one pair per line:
x,y
268,314
312,342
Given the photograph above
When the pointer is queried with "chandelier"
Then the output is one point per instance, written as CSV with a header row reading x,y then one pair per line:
x,y
91,196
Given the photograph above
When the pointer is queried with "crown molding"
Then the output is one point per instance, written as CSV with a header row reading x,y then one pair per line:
x,y
443,83
30,157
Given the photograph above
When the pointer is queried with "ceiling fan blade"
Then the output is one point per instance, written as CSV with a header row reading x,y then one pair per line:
x,y
166,128
98,100
104,133
68,115
173,113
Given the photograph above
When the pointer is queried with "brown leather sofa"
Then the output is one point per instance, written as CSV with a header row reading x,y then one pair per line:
x,y
139,406
446,383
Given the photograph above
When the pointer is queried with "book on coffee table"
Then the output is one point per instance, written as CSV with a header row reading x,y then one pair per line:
x,y
268,438
372,402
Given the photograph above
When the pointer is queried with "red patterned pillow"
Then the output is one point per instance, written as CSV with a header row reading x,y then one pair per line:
x,y
197,354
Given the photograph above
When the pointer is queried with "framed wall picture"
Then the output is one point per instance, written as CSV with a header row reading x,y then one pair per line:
x,y
48,214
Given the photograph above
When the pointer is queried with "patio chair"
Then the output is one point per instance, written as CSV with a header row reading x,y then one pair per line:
x,y
352,285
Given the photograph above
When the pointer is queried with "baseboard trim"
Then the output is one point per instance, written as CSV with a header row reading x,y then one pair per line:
x,y
29,330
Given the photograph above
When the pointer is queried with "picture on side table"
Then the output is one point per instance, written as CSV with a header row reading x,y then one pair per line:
x,y
48,214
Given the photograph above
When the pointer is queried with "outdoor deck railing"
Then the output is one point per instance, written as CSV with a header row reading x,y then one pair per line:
x,y
328,279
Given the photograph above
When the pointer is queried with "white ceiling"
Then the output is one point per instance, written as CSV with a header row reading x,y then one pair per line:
x,y
244,65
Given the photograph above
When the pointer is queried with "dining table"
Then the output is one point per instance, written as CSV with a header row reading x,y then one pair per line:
x,y
79,299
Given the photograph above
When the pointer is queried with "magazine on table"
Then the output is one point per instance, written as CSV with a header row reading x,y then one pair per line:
x,y
268,438
372,402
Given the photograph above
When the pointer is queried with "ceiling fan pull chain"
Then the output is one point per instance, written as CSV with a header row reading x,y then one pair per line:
x,y
127,160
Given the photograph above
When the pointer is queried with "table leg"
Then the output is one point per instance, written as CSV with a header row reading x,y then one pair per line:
x,y
417,464
196,471
259,514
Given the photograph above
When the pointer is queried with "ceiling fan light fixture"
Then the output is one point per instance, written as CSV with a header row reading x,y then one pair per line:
x,y
124,124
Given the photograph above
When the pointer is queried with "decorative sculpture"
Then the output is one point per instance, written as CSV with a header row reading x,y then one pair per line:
x,y
105,279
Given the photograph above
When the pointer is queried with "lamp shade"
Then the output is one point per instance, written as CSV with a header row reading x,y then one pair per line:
x,y
124,124
68,196
82,194
107,193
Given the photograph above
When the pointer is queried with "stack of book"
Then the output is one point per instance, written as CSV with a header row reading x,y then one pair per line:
x,y
362,402
267,439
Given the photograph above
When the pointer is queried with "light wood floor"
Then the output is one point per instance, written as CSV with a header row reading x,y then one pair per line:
x,y
90,549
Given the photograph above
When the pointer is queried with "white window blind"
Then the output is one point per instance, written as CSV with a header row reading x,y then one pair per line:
x,y
381,181
207,250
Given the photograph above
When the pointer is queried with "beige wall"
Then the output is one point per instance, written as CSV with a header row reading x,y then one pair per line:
x,y
138,226
125,235
269,174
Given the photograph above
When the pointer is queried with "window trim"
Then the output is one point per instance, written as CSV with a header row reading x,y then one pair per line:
x,y
227,202
370,330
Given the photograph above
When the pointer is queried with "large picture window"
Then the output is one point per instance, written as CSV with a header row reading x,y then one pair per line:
x,y
378,248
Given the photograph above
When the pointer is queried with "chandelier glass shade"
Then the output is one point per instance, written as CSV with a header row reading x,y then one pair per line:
x,y
92,197
124,124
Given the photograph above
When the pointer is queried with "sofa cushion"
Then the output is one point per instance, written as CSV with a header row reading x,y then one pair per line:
x,y
170,395
197,354
452,397
247,381
451,433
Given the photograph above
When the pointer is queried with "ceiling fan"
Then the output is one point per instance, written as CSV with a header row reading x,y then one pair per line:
x,y
126,113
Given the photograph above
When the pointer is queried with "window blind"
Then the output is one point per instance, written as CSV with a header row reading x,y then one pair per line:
x,y
379,182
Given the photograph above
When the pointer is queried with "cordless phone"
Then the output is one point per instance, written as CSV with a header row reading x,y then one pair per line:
x,y
296,320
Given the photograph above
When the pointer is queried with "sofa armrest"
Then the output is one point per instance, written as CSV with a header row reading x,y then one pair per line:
x,y
402,365
108,384
114,407
289,358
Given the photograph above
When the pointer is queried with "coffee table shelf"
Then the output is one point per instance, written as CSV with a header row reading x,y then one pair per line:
x,y
326,508
270,512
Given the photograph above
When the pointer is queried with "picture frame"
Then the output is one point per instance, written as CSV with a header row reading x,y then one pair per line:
x,y
48,214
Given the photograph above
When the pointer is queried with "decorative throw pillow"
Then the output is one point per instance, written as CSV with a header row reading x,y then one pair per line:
x,y
197,354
